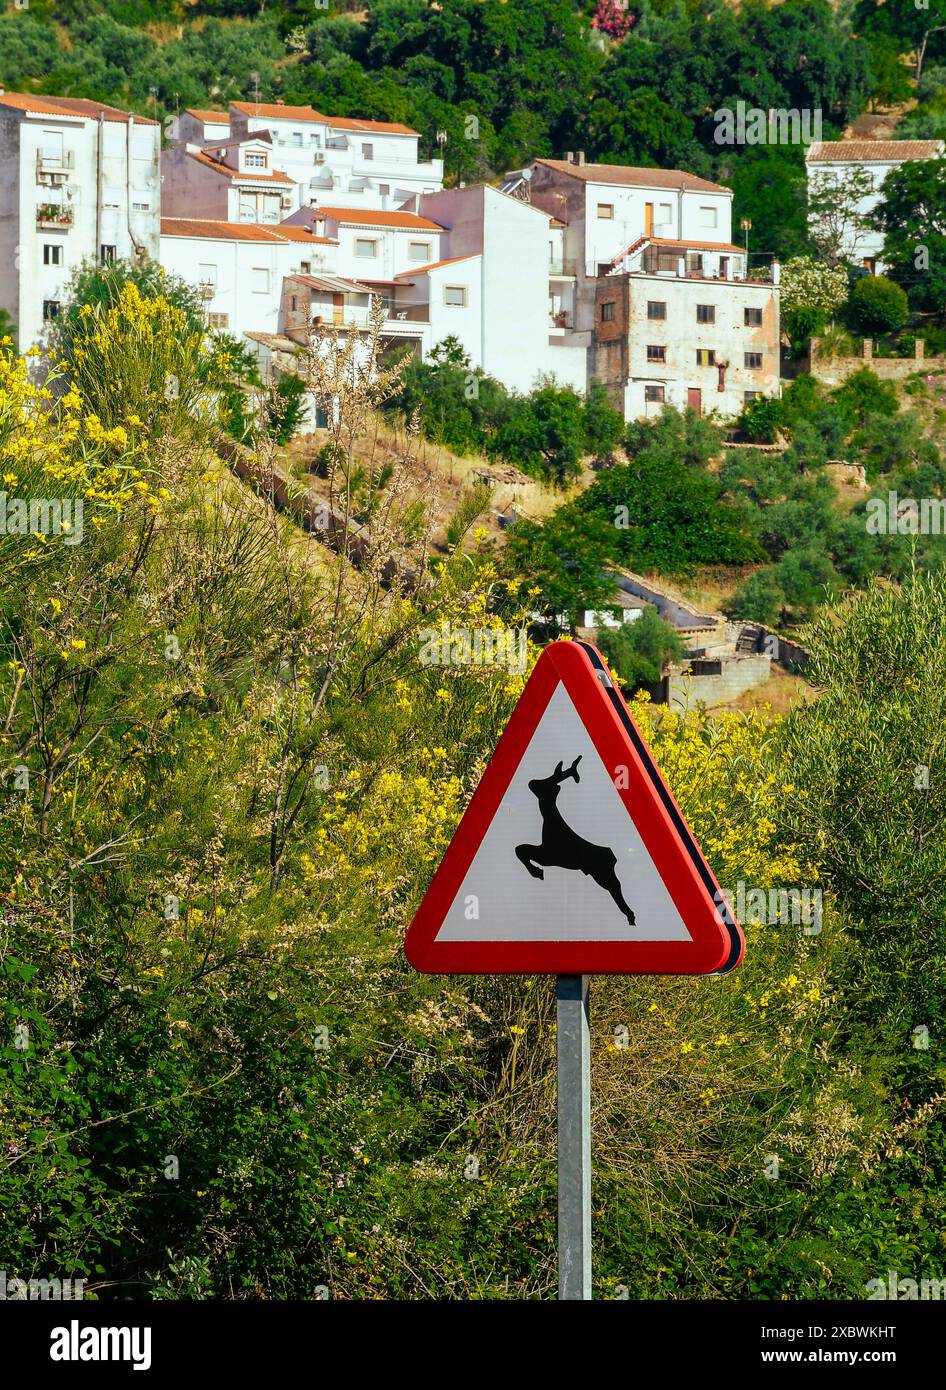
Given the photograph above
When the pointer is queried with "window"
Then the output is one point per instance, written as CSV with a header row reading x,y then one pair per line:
x,y
50,309
305,267
297,139
260,280
656,309
708,217
605,212
653,393
384,189
106,255
607,311
664,215
365,248
52,254
367,151
256,161
293,302
454,294
656,354
706,313
141,207
750,395
418,251
218,320
705,357
752,318
207,274
753,361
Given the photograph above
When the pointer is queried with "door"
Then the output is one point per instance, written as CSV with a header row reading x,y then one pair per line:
x,y
338,309
648,219
694,399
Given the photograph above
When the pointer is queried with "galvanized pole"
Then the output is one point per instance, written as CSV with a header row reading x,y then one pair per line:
x,y
574,1138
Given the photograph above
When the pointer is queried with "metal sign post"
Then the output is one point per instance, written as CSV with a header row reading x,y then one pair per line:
x,y
574,1137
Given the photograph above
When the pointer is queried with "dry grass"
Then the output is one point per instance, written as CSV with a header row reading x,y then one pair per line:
x,y
441,476
777,695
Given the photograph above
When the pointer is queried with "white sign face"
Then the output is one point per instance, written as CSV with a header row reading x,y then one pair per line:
x,y
562,860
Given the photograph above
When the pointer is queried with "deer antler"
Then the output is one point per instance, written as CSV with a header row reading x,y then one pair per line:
x,y
573,770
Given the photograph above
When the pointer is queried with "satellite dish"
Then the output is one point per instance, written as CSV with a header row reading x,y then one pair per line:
x,y
527,174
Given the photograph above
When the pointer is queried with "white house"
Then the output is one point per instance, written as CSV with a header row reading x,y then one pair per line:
x,y
345,161
236,181
239,268
523,333
642,262
78,182
830,162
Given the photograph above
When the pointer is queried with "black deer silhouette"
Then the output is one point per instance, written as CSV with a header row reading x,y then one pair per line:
x,y
561,848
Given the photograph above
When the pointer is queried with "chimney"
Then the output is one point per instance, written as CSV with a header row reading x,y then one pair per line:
x,y
776,272
581,157
569,157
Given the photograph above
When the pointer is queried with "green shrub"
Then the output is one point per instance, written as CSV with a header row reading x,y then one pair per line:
x,y
878,305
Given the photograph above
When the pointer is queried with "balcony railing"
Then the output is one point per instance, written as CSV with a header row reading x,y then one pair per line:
x,y
560,265
55,166
53,215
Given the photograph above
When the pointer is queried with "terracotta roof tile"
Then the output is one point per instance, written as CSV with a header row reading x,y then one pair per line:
x,y
621,174
271,176
68,106
237,231
872,151
375,217
273,111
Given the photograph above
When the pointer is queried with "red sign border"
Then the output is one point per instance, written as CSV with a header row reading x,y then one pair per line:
x,y
717,942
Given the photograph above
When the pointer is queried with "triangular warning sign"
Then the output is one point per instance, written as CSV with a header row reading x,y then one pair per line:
x,y
573,857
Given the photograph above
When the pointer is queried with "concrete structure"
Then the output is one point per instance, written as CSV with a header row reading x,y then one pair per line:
x,y
641,263
835,370
78,182
830,162
679,329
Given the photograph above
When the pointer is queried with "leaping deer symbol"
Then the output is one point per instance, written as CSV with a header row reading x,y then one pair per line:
x,y
562,848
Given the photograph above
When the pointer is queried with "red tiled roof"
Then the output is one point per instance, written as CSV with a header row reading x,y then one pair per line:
x,y
215,117
382,127
374,217
872,151
269,176
273,111
621,174
237,231
435,265
68,106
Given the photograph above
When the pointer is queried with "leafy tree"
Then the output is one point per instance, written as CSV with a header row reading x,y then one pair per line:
x,y
878,305
806,576
637,652
838,224
760,598
912,216
810,293
865,394
543,434
558,566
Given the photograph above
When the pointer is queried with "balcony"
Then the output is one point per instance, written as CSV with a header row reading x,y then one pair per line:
x,y
53,217
562,268
54,168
